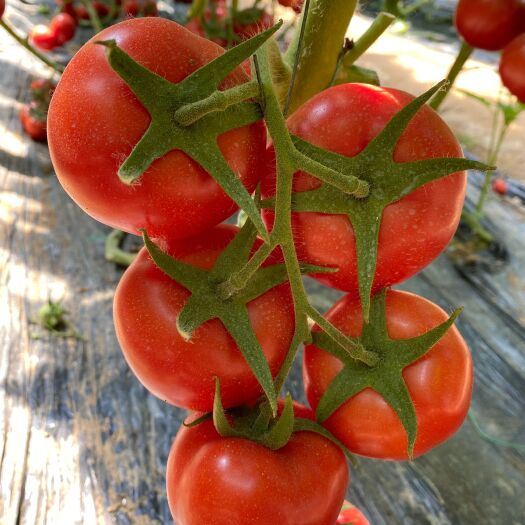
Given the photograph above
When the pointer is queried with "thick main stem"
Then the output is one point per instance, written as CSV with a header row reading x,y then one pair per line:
x,y
463,55
24,42
324,34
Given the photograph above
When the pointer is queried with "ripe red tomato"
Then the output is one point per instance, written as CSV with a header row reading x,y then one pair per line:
x,y
440,383
131,8
225,481
296,5
512,67
175,197
180,372
415,229
488,24
245,31
43,37
351,515
33,122
63,26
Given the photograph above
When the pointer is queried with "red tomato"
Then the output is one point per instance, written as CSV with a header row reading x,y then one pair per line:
x,y
414,230
2,8
43,37
500,186
180,372
440,383
488,24
131,8
68,7
245,31
512,67
351,515
296,5
63,26
101,9
150,8
175,197
82,12
34,124
226,481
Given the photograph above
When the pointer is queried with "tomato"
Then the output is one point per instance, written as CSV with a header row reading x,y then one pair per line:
x,y
351,515
82,12
181,372
42,90
33,121
150,8
131,8
440,383
512,67
225,481
415,229
101,9
64,27
2,8
43,37
245,31
296,5
175,197
500,186
488,24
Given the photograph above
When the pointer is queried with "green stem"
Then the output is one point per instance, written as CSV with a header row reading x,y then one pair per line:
x,y
346,183
96,24
472,221
369,37
217,101
464,54
24,42
324,35
488,176
415,6
114,253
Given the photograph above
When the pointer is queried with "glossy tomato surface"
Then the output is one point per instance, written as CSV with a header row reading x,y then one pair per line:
x,y
440,383
63,26
147,303
43,37
415,229
488,24
95,120
224,481
512,67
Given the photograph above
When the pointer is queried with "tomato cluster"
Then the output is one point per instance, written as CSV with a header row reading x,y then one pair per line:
x,y
60,30
200,345
494,25
33,115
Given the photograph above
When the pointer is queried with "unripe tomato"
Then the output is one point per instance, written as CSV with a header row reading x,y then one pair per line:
x,y
512,67
43,37
488,24
64,26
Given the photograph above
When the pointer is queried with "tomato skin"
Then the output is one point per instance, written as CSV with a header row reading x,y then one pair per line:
x,y
33,126
63,26
175,197
180,372
225,481
440,383
488,24
2,8
415,229
351,515
512,67
43,37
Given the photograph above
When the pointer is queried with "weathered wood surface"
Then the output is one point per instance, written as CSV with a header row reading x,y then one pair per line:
x,y
83,443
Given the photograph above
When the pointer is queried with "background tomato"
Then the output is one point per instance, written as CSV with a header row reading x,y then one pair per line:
x,y
351,515
414,230
225,481
63,26
512,67
488,24
43,37
147,303
440,383
95,120
33,121
2,7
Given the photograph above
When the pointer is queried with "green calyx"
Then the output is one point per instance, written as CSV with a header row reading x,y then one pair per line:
x,y
389,181
257,423
386,377
179,120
